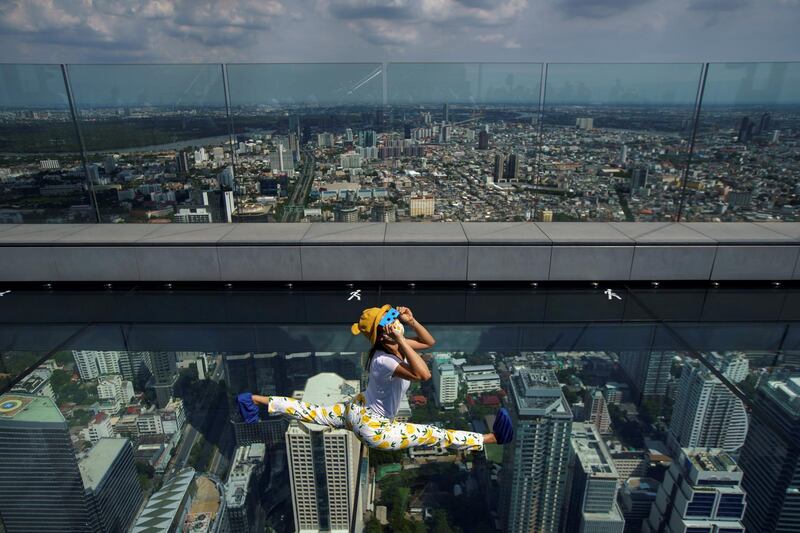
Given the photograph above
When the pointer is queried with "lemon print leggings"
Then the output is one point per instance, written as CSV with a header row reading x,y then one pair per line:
x,y
373,430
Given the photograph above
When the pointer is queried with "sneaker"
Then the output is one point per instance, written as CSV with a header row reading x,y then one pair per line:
x,y
503,427
247,408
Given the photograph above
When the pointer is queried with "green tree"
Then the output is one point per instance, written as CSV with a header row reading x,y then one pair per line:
x,y
440,522
373,526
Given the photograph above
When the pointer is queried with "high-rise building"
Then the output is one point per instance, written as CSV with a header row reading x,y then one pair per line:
x,y
422,205
132,366
445,380
770,458
584,123
112,486
706,413
480,378
384,212
446,113
93,363
636,496
513,167
324,462
648,372
113,387
547,215
483,140
763,124
281,160
368,138
220,205
406,131
98,428
325,140
41,488
348,135
164,369
350,160
597,411
700,492
535,464
182,162
639,175
745,130
623,156
499,167
593,484
242,487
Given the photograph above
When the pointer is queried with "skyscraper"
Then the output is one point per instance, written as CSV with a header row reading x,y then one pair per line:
x,y
706,414
623,156
648,373
324,462
593,485
639,175
182,162
164,370
535,464
700,492
40,484
770,458
513,167
745,130
112,486
483,140
499,167
446,113
636,496
93,363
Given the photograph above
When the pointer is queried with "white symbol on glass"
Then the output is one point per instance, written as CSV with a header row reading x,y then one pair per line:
x,y
4,293
355,294
611,294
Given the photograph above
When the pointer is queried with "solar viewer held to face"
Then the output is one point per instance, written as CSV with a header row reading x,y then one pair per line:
x,y
392,364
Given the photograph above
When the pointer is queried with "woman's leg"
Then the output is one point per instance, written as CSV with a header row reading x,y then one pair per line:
x,y
386,435
328,415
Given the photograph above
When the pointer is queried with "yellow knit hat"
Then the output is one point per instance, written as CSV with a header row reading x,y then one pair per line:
x,y
367,325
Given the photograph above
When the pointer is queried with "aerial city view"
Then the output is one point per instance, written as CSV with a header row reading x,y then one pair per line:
x,y
414,266
604,143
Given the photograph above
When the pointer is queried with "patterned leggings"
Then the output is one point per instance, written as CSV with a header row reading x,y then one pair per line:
x,y
373,430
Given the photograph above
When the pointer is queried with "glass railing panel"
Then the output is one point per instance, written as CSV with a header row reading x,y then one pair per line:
x,y
470,135
615,141
296,127
157,140
41,171
744,165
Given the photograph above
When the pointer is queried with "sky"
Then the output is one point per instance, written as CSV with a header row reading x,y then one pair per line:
x,y
169,31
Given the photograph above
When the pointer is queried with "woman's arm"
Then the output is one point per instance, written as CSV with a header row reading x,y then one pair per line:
x,y
413,368
424,338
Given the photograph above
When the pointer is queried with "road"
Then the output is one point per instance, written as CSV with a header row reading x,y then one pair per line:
x,y
293,209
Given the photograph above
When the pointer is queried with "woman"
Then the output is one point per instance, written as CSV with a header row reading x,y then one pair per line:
x,y
392,364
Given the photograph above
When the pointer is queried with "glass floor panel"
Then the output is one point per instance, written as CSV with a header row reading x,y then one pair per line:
x,y
156,372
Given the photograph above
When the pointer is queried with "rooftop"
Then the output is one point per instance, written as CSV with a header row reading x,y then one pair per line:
x,y
591,452
538,393
26,408
99,460
160,511
328,388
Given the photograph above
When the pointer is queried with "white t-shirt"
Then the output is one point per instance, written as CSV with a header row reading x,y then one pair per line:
x,y
384,390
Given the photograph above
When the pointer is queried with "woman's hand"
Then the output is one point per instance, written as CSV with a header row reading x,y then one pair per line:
x,y
394,334
405,315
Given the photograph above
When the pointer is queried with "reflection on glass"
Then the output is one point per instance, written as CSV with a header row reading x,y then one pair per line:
x,y
41,171
745,163
615,141
157,141
296,123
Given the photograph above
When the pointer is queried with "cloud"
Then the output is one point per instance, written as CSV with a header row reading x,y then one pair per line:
x,y
717,5
384,33
596,9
